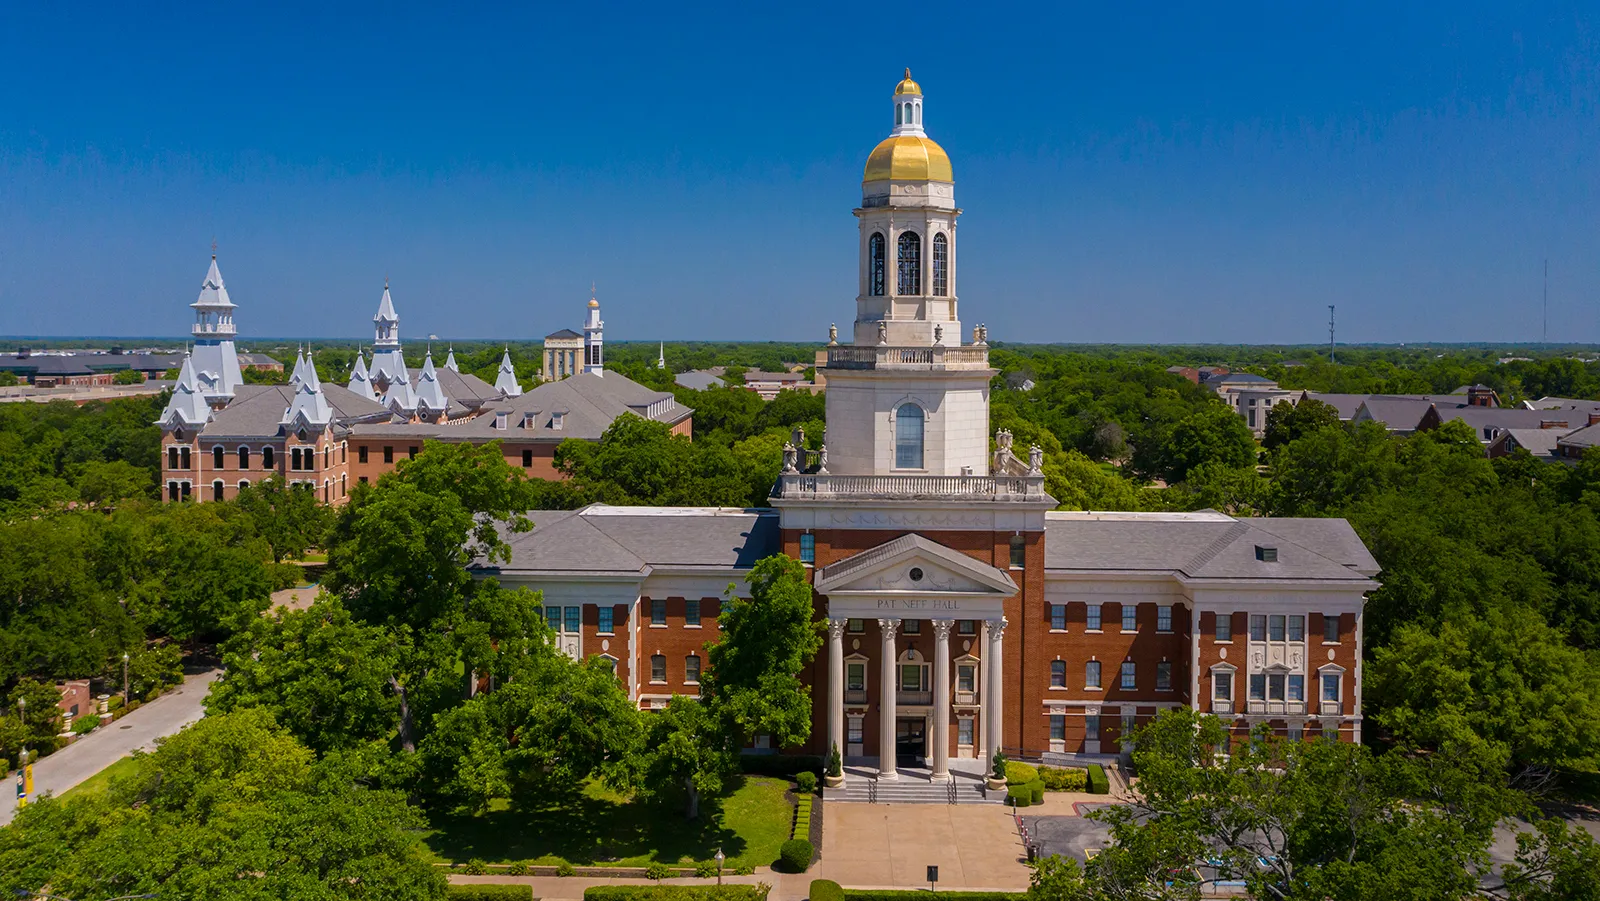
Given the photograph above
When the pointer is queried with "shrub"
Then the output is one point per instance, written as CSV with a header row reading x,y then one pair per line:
x,y
1067,779
835,762
706,869
565,869
795,855
1019,773
1019,795
517,869
997,765
114,703
782,765
284,575
5,765
676,893
1036,792
806,782
85,724
659,871
475,867
1097,781
745,869
825,890
489,892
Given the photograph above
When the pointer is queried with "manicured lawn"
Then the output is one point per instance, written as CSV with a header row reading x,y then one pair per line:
x,y
99,782
598,827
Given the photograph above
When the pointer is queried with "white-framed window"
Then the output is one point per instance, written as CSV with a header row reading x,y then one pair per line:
x,y
1330,687
1275,627
855,677
966,627
808,548
658,668
1221,686
1130,722
1091,622
1297,628
941,263
1164,618
1258,627
909,421
605,624
1276,683
911,627
1058,727
1164,676
691,669
1129,680
1330,628
966,677
1224,627
853,730
1297,687
691,611
908,265
875,257
1296,732
1130,618
1058,617
658,611
857,626
1019,552
964,731
1091,726
1058,674
1091,674
1258,686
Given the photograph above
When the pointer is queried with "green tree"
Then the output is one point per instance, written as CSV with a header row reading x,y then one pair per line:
x,y
105,483
128,377
765,641
289,519
1214,434
688,753
1286,422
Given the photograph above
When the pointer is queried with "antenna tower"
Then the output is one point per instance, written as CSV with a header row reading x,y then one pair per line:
x,y
1330,333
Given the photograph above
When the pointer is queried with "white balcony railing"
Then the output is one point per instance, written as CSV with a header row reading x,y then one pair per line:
x,y
913,698
855,696
999,488
1290,708
1222,707
1331,708
966,699
938,356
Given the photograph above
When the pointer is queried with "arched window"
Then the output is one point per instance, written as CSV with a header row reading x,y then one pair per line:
x,y
243,484
941,265
908,271
244,458
908,422
218,458
266,458
875,264
899,113
216,490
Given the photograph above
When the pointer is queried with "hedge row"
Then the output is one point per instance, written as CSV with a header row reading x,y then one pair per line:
x,y
674,893
1024,795
1019,773
1098,783
1067,779
489,892
784,765
802,818
825,890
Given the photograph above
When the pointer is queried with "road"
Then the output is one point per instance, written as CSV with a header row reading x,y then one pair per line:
x,y
98,750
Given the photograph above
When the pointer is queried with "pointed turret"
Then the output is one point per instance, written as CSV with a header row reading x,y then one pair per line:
x,y
388,372
360,382
187,406
299,374
430,399
450,361
506,381
661,356
216,363
309,407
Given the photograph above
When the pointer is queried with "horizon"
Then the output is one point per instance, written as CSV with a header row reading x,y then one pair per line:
x,y
1131,177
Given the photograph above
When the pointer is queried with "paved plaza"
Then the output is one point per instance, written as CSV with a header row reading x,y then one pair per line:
x,y
891,845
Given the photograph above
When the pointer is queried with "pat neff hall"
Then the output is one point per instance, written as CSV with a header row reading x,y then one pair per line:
x,y
964,613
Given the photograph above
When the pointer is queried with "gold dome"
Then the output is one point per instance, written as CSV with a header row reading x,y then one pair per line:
x,y
907,86
908,158
593,303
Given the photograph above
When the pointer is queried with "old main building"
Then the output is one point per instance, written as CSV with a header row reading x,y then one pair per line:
x,y
963,612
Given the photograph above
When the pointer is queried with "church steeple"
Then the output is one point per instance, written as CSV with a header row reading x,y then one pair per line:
x,y
360,382
388,373
450,360
309,407
430,399
594,356
505,381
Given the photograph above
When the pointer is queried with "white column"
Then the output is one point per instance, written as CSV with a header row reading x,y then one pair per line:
x,y
995,728
886,700
981,730
941,699
836,629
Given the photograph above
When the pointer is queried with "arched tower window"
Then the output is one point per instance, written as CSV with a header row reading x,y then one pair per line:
x,y
875,251
908,428
941,265
899,114
908,273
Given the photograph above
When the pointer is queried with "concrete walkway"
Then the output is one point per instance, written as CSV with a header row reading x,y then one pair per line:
x,y
785,886
975,846
98,750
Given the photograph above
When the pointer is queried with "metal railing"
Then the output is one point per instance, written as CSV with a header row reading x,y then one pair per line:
x,y
998,488
1279,707
938,356
855,696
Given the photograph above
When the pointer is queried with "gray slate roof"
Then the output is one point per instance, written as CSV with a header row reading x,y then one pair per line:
x,y
1205,546
256,411
1539,442
601,539
564,333
1588,436
1346,404
698,380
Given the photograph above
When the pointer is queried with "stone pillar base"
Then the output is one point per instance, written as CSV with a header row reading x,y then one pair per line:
x,y
940,777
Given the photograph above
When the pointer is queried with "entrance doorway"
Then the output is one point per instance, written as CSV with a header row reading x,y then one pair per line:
x,y
910,741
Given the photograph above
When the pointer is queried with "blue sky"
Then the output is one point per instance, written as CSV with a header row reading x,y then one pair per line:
x,y
1129,172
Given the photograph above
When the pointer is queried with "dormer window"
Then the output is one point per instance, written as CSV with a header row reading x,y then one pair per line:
x,y
1266,554
556,420
530,420
501,420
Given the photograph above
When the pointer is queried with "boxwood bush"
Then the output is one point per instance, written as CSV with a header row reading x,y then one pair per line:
x,y
1098,783
1036,791
825,890
1063,779
795,855
1019,773
489,893
1019,795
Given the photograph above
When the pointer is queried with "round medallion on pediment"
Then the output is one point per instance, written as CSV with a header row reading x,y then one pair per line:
x,y
916,574
1222,653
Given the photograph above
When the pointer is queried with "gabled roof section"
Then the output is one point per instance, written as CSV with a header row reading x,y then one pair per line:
x,y
187,406
428,391
564,333
309,406
505,381
890,561
360,382
607,540
450,361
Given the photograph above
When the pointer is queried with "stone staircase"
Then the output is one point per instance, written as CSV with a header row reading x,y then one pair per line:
x,y
862,786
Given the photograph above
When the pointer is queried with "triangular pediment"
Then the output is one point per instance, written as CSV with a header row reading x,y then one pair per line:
x,y
913,563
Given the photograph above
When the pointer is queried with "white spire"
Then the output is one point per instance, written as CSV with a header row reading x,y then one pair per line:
x,y
386,324
450,361
594,356
187,406
388,372
506,381
661,356
299,374
360,382
215,361
310,405
429,393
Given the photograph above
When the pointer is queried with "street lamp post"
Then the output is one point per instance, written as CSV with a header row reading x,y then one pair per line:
x,y
124,678
719,858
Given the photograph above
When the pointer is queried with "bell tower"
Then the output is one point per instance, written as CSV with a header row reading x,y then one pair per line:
x,y
906,397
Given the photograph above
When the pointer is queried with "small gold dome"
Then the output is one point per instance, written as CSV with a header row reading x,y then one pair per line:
x,y
593,303
908,158
907,86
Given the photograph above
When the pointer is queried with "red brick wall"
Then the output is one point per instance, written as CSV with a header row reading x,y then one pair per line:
x,y
675,641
